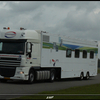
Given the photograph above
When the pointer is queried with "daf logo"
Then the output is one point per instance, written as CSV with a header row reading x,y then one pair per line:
x,y
10,34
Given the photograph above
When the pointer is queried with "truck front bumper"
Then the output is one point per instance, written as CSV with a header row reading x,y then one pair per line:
x,y
16,77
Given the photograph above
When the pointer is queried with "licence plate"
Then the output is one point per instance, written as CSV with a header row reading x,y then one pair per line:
x,y
6,77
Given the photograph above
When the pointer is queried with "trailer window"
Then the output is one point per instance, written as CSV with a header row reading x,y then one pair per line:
x,y
68,52
91,54
84,54
77,53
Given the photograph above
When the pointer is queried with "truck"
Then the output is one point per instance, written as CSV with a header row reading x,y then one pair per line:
x,y
32,55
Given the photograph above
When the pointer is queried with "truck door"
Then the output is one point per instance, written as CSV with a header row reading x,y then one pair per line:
x,y
33,53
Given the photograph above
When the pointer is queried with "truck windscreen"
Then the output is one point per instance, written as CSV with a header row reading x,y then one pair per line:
x,y
12,47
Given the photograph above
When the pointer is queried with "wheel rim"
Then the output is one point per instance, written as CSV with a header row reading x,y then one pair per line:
x,y
52,76
31,77
81,76
87,76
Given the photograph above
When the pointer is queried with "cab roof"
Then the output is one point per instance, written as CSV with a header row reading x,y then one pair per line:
x,y
19,34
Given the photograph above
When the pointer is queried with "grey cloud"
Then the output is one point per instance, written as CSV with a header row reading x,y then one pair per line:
x,y
40,17
24,6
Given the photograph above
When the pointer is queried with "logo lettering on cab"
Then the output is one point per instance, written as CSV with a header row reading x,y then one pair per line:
x,y
10,34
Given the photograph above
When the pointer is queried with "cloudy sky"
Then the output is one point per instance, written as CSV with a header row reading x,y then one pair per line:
x,y
80,19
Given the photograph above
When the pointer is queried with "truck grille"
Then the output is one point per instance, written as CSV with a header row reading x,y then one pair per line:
x,y
8,66
7,71
14,62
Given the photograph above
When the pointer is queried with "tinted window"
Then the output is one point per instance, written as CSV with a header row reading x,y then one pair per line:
x,y
68,52
91,54
77,53
84,54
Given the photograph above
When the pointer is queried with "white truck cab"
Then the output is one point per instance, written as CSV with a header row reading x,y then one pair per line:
x,y
19,51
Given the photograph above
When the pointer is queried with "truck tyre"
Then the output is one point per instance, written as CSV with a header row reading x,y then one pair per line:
x,y
81,76
31,77
52,75
87,76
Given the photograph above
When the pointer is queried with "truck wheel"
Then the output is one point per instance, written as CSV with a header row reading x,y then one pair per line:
x,y
52,75
31,77
87,76
81,76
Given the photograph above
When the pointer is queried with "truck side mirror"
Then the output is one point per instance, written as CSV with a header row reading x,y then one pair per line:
x,y
28,47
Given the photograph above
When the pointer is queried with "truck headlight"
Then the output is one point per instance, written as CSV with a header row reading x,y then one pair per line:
x,y
21,72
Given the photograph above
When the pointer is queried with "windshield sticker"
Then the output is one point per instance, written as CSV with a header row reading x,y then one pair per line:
x,y
10,34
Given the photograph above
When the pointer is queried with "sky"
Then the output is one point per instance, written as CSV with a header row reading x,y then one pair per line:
x,y
79,19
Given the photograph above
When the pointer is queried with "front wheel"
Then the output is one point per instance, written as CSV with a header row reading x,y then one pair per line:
x,y
31,77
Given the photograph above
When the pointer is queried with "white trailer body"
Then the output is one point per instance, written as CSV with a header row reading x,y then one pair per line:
x,y
34,55
71,66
